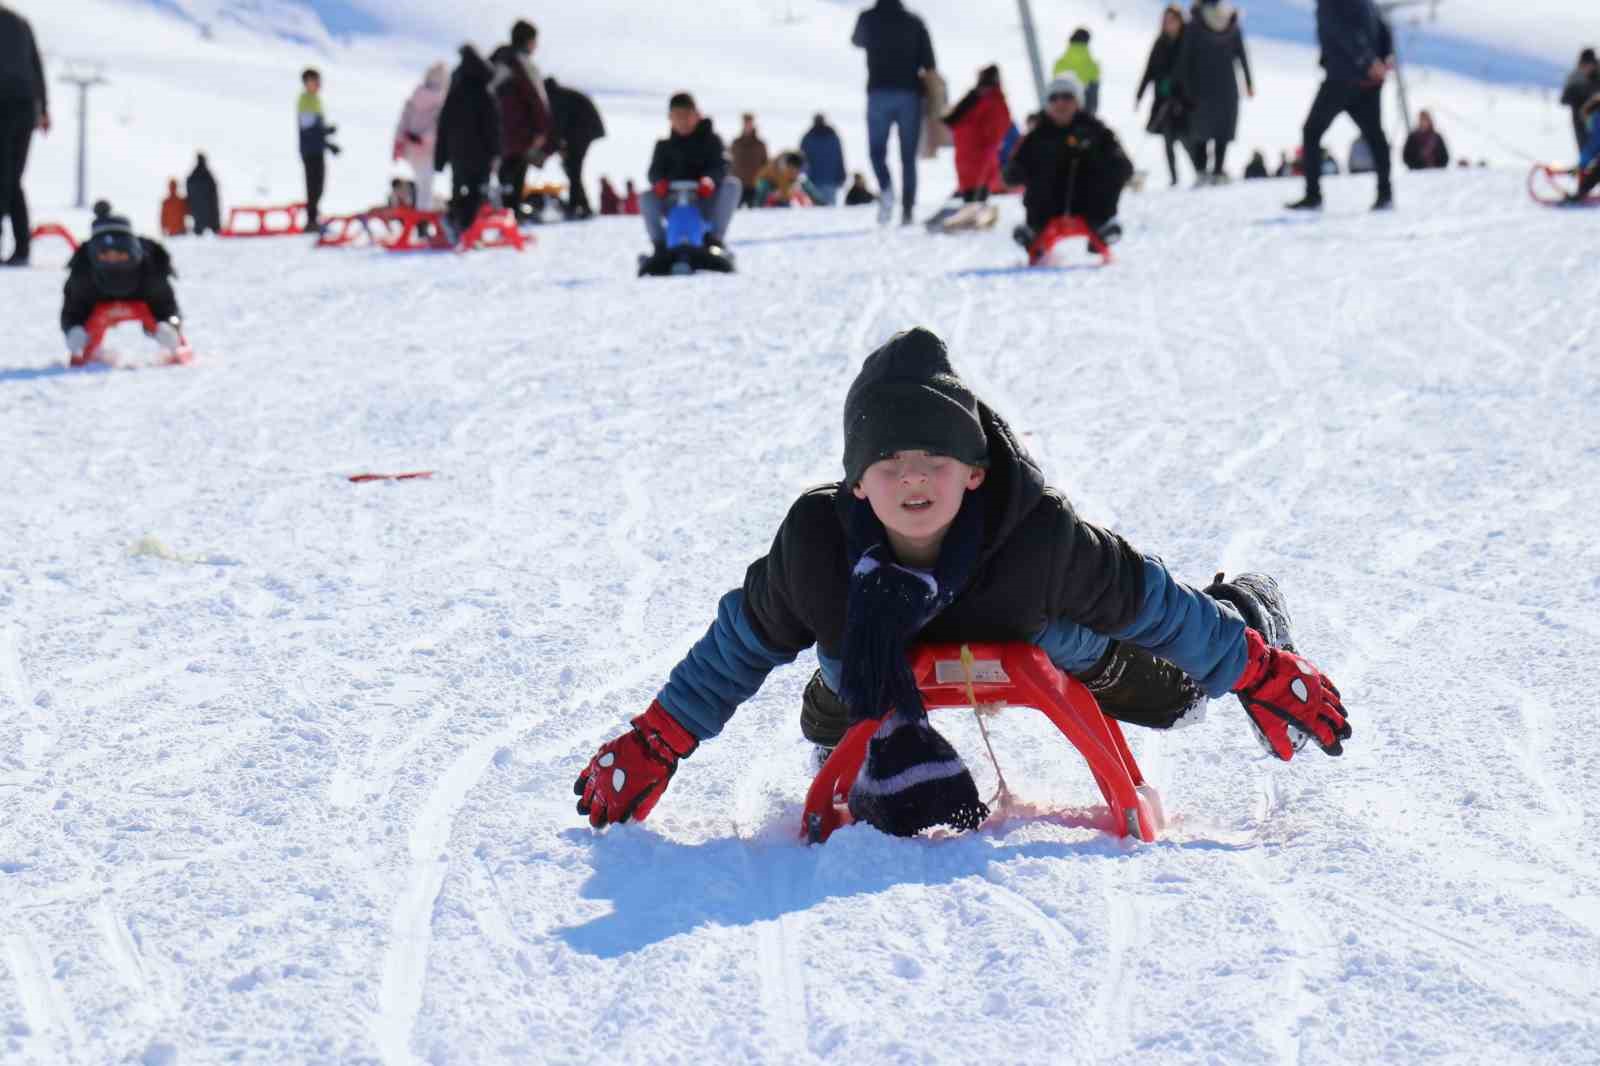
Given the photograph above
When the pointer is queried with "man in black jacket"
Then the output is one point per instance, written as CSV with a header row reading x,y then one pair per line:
x,y
469,136
1071,164
899,52
693,152
1582,83
577,126
24,107
1356,46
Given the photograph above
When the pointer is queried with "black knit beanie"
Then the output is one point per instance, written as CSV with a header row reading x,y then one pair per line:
x,y
907,397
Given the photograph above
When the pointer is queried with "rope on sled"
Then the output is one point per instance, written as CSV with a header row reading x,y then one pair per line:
x,y
1001,801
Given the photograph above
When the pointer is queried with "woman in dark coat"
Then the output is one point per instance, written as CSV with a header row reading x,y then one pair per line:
x,y
577,126
1212,44
1168,110
204,205
469,136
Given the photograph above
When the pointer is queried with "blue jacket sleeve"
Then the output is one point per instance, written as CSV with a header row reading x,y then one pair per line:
x,y
1188,629
723,669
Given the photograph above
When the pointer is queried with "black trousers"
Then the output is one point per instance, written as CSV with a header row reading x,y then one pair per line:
x,y
577,198
513,179
466,195
1589,180
17,120
1218,154
316,175
1364,106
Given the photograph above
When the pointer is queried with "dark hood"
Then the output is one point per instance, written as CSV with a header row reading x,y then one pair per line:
x,y
473,68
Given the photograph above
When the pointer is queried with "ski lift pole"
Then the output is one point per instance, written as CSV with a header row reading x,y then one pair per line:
x,y
84,80
1030,39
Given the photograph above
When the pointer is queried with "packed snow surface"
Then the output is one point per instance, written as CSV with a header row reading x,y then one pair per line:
x,y
286,762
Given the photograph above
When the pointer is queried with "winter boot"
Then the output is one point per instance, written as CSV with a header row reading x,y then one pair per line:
x,y
1024,236
913,780
1308,202
1385,200
1109,231
1135,687
886,206
1260,603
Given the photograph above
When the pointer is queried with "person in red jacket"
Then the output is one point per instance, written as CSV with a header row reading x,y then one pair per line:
x,y
174,212
610,202
979,123
525,124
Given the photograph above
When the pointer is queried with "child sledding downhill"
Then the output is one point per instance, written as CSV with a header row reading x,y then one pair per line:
x,y
116,265
1071,164
978,124
689,168
943,530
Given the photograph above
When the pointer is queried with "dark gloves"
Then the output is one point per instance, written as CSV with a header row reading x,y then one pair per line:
x,y
627,776
1280,690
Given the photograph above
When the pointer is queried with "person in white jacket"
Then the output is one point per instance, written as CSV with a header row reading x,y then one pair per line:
x,y
418,130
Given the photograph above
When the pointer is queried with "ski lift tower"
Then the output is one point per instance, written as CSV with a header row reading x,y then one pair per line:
x,y
85,75
1030,40
1387,7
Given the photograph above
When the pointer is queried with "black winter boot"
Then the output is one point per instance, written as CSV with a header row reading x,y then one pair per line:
x,y
1133,686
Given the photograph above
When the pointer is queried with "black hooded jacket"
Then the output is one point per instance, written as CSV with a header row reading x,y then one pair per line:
x,y
1039,562
1077,167
577,120
469,121
21,73
83,293
699,155
897,44
204,203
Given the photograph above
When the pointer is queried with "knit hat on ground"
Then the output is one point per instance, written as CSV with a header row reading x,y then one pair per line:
x,y
908,397
1065,85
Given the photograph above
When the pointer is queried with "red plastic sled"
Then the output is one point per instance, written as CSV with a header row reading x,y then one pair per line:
x,y
54,229
1016,675
362,479
339,231
1059,229
493,228
1545,188
116,313
286,220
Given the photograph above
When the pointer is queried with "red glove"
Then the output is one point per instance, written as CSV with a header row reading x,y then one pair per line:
x,y
1280,690
627,776
708,188
661,188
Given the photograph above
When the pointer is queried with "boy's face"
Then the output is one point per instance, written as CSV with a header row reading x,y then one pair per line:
x,y
313,84
1063,108
916,495
683,120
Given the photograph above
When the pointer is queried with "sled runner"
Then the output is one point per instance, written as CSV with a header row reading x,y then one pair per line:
x,y
687,229
1015,675
959,217
285,220
341,231
1060,229
493,228
1546,187
55,229
116,313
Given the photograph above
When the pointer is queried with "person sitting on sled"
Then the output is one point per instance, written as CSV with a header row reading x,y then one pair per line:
x,y
1071,164
116,264
783,182
979,123
944,530
1589,158
693,152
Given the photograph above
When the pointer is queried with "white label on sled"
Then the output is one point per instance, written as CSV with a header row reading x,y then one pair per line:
x,y
984,672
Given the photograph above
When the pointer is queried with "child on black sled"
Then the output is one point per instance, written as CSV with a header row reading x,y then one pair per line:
x,y
116,264
692,152
943,530
1072,164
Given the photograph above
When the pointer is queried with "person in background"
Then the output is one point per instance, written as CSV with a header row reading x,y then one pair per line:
x,y
174,212
979,122
1070,164
314,144
899,51
1356,57
469,137
1077,61
1256,168
205,205
610,202
524,111
416,136
630,200
24,107
1213,43
858,193
577,125
1582,83
1425,148
691,151
824,160
749,154
1169,113
1589,157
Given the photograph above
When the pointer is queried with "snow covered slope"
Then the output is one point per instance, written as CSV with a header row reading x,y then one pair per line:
x,y
285,762
221,76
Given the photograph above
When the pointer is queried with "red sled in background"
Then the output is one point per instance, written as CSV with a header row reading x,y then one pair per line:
x,y
1547,188
116,313
1012,675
